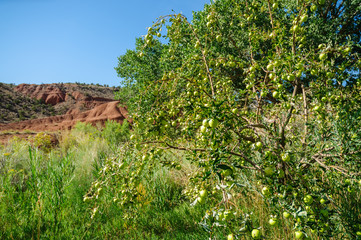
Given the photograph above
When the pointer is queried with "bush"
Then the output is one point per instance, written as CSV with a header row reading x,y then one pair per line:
x,y
43,141
115,132
86,128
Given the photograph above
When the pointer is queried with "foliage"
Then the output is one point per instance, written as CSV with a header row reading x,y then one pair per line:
x,y
253,87
43,141
115,133
137,69
86,128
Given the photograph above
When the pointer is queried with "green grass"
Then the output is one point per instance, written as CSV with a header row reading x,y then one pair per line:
x,y
42,191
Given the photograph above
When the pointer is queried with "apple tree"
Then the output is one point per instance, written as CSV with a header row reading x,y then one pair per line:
x,y
269,89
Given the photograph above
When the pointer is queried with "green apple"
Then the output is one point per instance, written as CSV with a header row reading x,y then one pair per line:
x,y
263,93
273,221
308,199
304,18
231,64
350,189
322,201
197,44
265,191
203,129
258,145
213,123
276,94
203,193
256,234
270,67
200,200
219,38
271,75
145,157
286,215
220,216
295,28
322,56
227,215
299,235
268,171
234,110
205,123
291,77
227,172
230,236
329,74
286,157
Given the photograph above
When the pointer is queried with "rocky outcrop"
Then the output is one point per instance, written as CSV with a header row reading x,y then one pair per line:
x,y
72,97
49,94
98,115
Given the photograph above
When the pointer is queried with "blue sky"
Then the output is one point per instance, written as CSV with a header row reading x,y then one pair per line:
x,y
51,41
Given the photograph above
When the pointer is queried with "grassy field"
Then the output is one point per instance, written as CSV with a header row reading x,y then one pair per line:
x,y
43,187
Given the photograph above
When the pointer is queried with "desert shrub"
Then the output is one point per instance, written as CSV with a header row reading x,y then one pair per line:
x,y
115,132
43,141
86,128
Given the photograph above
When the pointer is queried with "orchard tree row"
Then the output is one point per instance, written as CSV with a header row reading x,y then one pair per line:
x,y
264,88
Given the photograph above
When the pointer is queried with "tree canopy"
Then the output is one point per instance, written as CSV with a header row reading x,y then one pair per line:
x,y
270,88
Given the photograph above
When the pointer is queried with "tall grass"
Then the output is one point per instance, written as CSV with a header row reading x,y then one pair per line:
x,y
42,192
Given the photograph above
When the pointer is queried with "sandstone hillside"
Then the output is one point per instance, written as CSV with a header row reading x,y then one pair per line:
x,y
30,101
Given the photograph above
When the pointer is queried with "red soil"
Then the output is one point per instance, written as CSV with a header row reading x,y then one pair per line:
x,y
97,115
50,94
